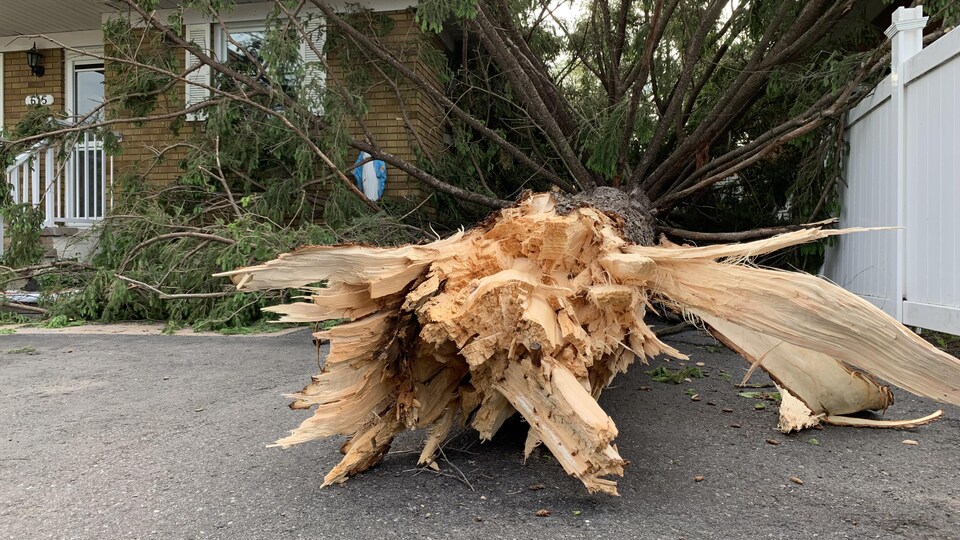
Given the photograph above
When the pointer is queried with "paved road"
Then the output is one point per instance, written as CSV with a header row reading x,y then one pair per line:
x,y
164,437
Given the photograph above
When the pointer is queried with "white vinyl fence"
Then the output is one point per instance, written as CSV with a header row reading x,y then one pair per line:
x,y
903,170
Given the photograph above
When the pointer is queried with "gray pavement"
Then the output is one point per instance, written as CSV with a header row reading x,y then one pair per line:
x,y
165,437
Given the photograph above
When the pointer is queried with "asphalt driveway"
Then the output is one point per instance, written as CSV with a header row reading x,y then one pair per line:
x,y
108,436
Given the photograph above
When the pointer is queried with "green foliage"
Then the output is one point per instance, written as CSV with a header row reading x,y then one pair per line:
x,y
22,224
138,90
663,374
9,317
37,120
60,321
943,13
432,14
180,265
603,144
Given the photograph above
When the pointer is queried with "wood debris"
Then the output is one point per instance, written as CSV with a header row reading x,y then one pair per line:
x,y
536,312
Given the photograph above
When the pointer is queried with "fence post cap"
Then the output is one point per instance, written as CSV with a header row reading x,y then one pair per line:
x,y
906,19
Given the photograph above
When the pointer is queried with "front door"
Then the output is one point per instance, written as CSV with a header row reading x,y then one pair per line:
x,y
87,174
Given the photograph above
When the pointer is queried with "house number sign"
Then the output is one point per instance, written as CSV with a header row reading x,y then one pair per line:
x,y
38,99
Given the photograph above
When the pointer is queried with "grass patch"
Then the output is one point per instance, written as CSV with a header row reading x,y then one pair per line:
x,y
60,321
9,317
768,396
947,343
665,375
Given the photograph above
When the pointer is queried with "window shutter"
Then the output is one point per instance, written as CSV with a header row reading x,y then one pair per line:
x,y
314,75
200,35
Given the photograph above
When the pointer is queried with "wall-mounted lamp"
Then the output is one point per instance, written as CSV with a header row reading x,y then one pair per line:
x,y
35,61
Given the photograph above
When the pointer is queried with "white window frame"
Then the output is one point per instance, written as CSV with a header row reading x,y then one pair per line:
x,y
220,37
219,49
72,58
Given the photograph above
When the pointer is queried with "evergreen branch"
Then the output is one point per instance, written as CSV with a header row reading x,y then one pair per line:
x,y
439,97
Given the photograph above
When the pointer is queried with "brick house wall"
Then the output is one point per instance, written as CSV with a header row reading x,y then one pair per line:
x,y
384,118
151,149
19,82
144,144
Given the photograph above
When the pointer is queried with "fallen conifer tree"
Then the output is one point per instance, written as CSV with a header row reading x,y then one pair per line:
x,y
537,310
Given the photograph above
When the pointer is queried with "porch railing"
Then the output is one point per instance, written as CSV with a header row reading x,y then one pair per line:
x,y
72,183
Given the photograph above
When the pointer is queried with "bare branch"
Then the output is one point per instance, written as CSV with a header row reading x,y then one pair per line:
x,y
166,296
509,60
22,306
752,234
438,96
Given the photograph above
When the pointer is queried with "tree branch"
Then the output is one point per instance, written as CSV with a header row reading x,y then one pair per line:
x,y
739,93
165,296
507,57
752,234
675,99
168,236
429,180
22,306
438,96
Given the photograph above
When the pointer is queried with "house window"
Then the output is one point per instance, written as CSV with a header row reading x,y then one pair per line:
x,y
241,47
307,89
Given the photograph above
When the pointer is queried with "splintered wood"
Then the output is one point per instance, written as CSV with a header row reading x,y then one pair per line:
x,y
537,312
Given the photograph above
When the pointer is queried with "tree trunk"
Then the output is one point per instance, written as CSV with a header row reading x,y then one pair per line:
x,y
537,310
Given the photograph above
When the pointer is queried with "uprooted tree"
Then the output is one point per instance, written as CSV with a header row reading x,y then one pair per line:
x,y
639,116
